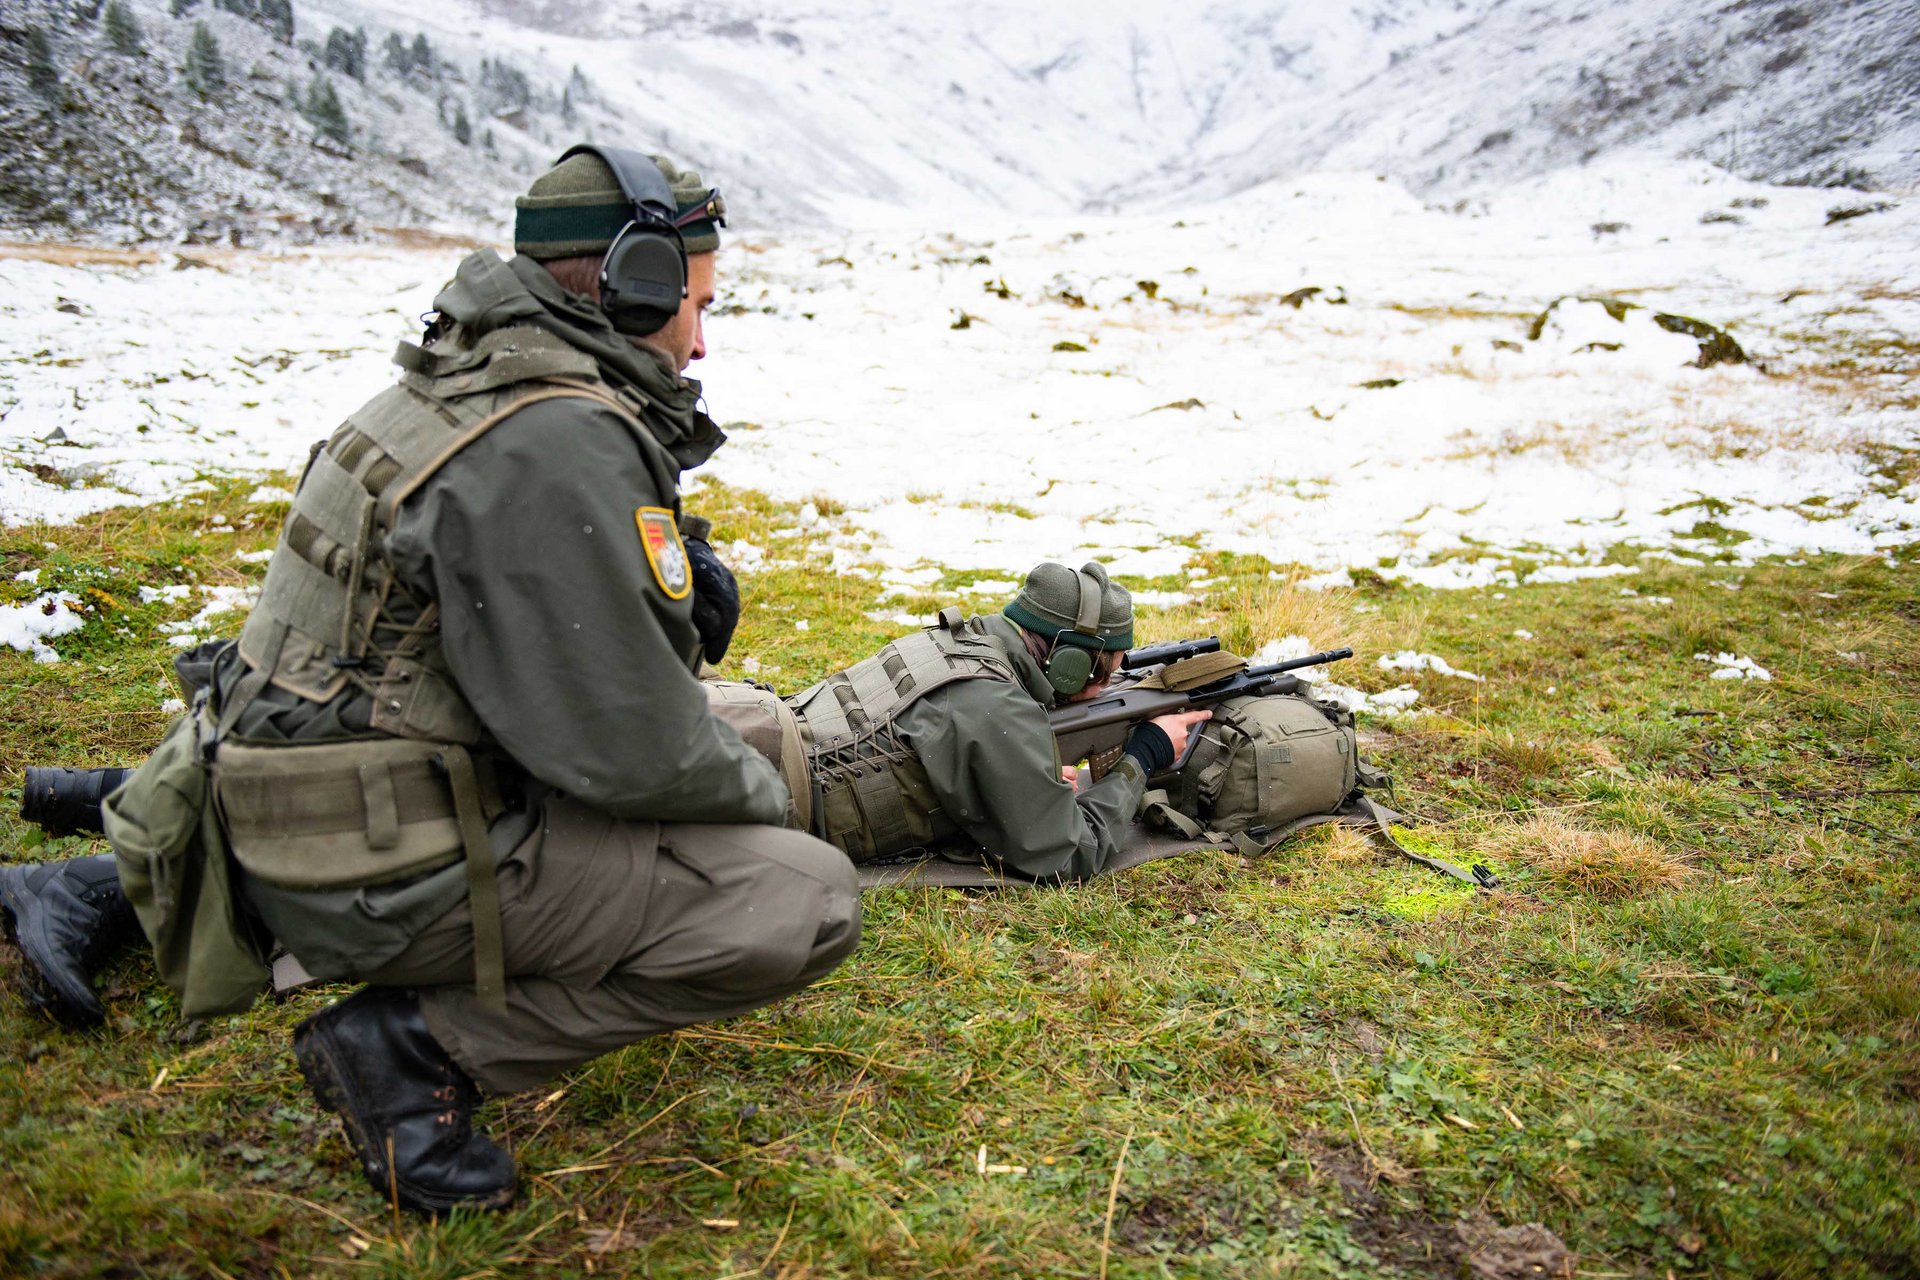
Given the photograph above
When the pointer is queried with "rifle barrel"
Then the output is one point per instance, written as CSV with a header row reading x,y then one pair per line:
x,y
1295,664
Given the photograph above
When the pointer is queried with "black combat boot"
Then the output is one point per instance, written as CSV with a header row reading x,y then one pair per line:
x,y
407,1107
68,918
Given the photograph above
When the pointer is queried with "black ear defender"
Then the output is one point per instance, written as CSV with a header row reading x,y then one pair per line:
x,y
643,278
1070,663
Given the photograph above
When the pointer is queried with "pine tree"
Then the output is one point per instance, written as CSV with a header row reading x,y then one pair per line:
x,y
328,117
123,32
395,54
42,75
567,112
462,127
206,71
423,55
276,16
346,52
181,8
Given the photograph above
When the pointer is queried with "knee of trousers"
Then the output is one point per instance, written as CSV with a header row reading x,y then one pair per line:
x,y
798,921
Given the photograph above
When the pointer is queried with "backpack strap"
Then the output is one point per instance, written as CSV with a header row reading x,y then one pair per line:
x,y
483,889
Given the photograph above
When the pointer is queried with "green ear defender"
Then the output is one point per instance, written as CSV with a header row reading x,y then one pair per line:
x,y
1070,665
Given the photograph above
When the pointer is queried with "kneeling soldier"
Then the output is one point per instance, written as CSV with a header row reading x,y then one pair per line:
x,y
459,752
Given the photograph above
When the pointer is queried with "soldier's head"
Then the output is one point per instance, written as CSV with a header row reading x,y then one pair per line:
x,y
1077,624
573,213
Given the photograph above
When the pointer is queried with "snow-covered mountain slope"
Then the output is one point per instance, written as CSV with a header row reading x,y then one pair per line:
x,y
1328,373
806,111
1783,91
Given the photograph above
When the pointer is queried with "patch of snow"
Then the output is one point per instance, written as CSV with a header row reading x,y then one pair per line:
x,y
1389,702
1523,635
28,576
27,627
174,591
745,557
255,557
1410,660
221,600
173,706
1578,572
1729,667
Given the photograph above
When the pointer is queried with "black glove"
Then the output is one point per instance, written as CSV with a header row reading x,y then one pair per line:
x,y
1150,746
716,599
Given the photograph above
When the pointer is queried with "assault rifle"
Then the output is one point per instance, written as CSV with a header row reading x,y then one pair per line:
x,y
1096,730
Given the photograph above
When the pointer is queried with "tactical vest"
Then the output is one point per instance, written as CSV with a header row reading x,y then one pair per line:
x,y
407,798
329,579
871,794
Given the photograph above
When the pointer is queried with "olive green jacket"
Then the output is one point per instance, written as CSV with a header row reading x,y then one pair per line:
x,y
990,757
554,625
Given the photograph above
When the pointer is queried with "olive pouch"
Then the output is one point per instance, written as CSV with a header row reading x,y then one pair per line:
x,y
173,868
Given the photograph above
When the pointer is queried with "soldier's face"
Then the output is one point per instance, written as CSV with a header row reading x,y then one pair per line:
x,y
684,340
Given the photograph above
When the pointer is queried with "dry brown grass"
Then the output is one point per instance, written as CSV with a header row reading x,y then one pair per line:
x,y
1701,434
1268,610
1529,757
1340,844
78,255
1606,864
422,238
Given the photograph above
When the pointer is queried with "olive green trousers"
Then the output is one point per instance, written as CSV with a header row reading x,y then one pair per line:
x,y
615,931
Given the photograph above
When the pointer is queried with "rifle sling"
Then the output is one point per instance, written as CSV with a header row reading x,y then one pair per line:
x,y
1384,825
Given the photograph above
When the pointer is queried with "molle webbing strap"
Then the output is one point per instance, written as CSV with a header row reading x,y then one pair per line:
x,y
308,541
483,889
376,797
395,495
364,459
247,689
873,689
868,695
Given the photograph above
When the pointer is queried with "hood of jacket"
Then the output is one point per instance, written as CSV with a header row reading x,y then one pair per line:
x,y
1032,678
488,293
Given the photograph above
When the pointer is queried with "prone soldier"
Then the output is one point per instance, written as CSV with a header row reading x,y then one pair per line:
x,y
943,734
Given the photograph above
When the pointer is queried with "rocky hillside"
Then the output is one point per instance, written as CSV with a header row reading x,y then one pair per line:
x,y
238,121
368,112
1782,91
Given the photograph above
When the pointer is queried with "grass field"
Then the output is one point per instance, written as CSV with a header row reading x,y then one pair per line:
x,y
1682,1038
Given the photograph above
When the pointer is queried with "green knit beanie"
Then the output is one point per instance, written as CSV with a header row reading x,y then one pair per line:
x,y
1049,603
576,208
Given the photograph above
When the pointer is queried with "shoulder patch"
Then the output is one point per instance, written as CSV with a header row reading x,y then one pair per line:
x,y
666,554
